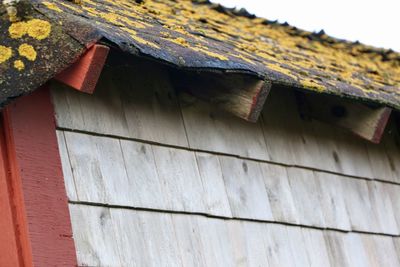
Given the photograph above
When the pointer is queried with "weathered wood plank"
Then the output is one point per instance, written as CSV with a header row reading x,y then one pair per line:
x,y
386,251
316,248
215,242
151,233
382,167
281,138
121,107
393,191
129,237
336,249
364,121
125,104
181,181
276,240
396,242
94,235
242,252
359,207
257,253
289,138
332,201
355,251
189,240
245,187
210,129
279,193
297,247
66,167
306,195
241,95
352,154
150,104
214,194
382,208
143,180
373,256
98,169
391,143
122,237
107,170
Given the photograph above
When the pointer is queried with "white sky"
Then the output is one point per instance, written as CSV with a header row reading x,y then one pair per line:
x,y
373,22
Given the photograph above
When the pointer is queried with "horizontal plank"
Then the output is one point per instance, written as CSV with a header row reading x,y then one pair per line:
x,y
137,103
122,237
110,171
143,107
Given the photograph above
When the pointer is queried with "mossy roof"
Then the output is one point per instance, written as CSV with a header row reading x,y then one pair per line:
x,y
194,35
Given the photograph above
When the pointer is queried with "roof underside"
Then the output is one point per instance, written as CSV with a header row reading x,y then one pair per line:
x,y
194,35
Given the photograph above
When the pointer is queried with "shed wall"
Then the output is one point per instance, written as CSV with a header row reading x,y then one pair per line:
x,y
157,179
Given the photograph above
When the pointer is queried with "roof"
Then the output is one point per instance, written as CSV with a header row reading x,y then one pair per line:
x,y
193,35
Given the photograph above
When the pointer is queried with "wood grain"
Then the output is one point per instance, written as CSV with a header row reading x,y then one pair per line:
x,y
209,129
107,170
366,122
94,234
245,187
241,95
123,237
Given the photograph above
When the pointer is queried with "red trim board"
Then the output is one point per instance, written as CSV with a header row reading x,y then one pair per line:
x,y
31,176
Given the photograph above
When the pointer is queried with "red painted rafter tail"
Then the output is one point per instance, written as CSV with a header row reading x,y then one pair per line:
x,y
84,74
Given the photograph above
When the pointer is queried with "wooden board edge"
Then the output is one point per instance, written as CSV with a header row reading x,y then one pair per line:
x,y
84,74
39,197
381,126
11,225
259,101
365,121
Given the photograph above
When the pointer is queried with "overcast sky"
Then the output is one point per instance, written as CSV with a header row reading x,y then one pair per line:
x,y
374,22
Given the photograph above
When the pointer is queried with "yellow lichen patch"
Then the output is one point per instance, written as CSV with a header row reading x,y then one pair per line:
x,y
138,39
27,51
38,29
180,41
210,53
52,6
35,28
310,61
312,84
5,53
19,65
18,29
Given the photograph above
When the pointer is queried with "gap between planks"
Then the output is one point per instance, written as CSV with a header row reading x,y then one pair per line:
x,y
228,155
224,218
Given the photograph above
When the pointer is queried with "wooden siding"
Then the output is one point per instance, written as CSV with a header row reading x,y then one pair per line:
x,y
157,179
153,114
124,237
128,173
